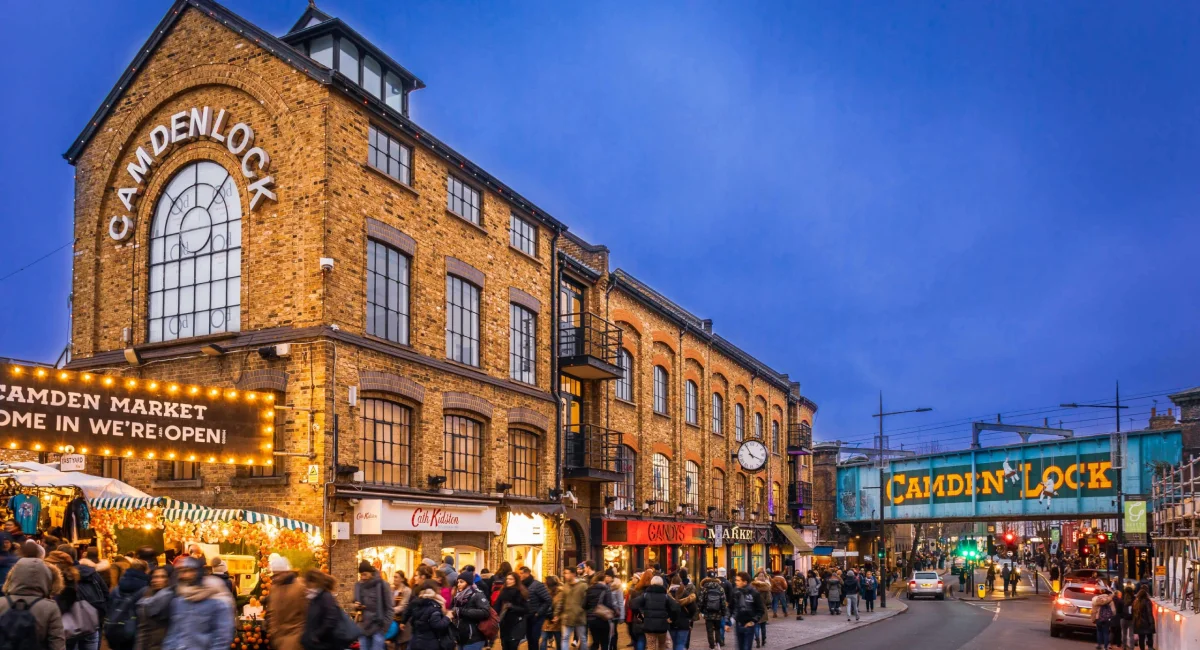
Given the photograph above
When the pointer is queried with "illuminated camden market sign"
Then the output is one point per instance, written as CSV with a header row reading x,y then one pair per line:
x,y
1053,479
43,409
201,122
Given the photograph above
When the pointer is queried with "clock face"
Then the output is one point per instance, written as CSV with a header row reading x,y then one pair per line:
x,y
752,455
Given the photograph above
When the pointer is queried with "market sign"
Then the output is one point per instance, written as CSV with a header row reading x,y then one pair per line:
x,y
741,535
651,533
68,412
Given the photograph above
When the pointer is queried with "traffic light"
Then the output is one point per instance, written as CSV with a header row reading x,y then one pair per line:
x,y
1010,540
991,546
1101,537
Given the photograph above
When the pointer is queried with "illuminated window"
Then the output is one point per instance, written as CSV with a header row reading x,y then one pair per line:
x,y
523,462
462,453
760,497
196,255
779,508
385,442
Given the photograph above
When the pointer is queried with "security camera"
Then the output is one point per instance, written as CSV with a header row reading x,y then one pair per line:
x,y
570,496
326,264
355,502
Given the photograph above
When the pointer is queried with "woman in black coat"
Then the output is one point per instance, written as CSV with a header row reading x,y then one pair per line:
x,y
426,616
1143,619
511,603
598,594
470,606
324,615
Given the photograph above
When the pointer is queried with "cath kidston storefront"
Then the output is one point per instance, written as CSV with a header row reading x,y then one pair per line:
x,y
398,534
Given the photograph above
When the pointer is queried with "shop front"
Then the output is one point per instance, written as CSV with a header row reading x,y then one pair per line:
x,y
525,541
630,545
796,552
398,535
740,547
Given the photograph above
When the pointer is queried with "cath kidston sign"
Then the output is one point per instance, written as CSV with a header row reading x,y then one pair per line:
x,y
375,515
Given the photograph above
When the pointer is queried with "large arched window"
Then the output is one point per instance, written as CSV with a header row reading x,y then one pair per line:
x,y
625,490
660,390
739,422
385,442
462,453
717,498
196,255
523,462
625,381
691,486
661,482
718,413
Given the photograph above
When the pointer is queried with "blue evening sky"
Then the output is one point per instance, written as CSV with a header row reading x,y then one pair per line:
x,y
982,207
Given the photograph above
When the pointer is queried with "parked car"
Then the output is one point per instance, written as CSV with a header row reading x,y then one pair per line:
x,y
926,583
1071,609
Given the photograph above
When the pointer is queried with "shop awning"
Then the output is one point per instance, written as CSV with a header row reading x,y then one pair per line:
x,y
125,503
793,536
31,474
282,522
175,510
537,508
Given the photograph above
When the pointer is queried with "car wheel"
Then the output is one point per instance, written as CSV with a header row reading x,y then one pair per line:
x,y
1055,632
941,596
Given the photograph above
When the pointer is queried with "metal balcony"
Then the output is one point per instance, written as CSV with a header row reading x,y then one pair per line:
x,y
587,347
592,454
799,496
799,441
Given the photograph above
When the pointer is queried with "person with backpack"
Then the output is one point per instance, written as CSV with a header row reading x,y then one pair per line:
x,y
202,616
539,607
747,608
427,615
121,628
656,608
1103,613
798,591
470,609
373,601
29,617
286,606
852,588
323,620
713,607
81,619
154,610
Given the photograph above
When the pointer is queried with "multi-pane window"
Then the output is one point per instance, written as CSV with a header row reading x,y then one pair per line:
x,y
775,436
691,410
718,413
389,155
760,496
111,468
741,495
462,453
660,390
625,490
184,471
758,426
522,235
462,321
522,344
739,422
662,482
523,462
387,292
196,255
625,381
348,59
691,486
717,497
385,442
776,508
462,199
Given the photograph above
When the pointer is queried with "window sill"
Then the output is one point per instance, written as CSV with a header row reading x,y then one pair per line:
x,y
718,434
622,400
258,481
193,340
692,425
467,221
662,415
522,253
467,366
394,181
380,339
527,384
173,483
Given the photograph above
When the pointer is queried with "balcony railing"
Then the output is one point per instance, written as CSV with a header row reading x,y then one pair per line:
x,y
800,496
592,454
799,438
588,346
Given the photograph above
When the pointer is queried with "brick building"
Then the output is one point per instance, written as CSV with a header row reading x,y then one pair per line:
x,y
259,213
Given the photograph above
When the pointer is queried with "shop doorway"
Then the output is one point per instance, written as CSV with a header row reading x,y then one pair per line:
x,y
464,555
390,559
572,542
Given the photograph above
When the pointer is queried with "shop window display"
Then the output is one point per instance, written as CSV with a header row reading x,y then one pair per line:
x,y
390,559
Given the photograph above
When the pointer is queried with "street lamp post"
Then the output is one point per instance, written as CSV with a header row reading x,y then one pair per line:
x,y
1116,406
883,568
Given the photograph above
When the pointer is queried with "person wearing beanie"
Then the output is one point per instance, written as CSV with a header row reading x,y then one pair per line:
x,y
220,570
373,598
286,607
447,569
657,609
470,607
32,549
202,616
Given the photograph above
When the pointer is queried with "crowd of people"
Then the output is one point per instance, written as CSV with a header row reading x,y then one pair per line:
x,y
1124,619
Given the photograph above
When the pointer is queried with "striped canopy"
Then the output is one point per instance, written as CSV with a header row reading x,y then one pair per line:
x,y
175,510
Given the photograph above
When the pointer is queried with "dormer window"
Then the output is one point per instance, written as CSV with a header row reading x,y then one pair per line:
x,y
348,59
320,49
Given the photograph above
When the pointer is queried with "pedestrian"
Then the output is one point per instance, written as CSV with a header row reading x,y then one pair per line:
x,y
373,600
779,589
539,607
30,585
870,588
656,608
8,555
1103,613
1119,607
202,616
729,600
120,630
598,607
286,606
1126,617
574,617
470,607
81,620
428,617
833,592
814,591
746,610
714,607
616,592
853,589
798,589
496,583
681,623
512,603
763,585
154,610
447,569
1143,619
403,593
633,618
552,627
220,570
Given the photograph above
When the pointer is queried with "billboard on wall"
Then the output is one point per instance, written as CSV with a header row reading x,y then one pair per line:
x,y
1060,478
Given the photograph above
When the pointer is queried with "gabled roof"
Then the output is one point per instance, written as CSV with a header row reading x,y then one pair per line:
x,y
298,36
310,17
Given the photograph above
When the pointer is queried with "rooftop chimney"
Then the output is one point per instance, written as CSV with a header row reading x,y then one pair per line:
x,y
1163,421
707,325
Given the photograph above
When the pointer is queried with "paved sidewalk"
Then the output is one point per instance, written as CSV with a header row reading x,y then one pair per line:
x,y
790,633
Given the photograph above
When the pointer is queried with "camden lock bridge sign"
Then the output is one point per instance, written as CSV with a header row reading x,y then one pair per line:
x,y
1051,480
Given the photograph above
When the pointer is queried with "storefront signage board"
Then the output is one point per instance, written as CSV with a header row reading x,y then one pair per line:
x,y
72,462
525,530
650,533
75,412
368,517
741,535
422,517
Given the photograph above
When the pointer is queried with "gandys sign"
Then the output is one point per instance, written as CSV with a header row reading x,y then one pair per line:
x,y
43,409
649,533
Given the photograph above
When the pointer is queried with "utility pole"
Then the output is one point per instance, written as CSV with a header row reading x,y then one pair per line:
x,y
882,537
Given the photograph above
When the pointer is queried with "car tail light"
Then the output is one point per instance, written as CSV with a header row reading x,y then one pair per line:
x,y
1062,601
939,583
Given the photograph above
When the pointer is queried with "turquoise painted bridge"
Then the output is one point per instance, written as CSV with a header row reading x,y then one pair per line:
x,y
1065,479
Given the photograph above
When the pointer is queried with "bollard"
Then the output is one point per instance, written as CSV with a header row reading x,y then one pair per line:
x,y
980,590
